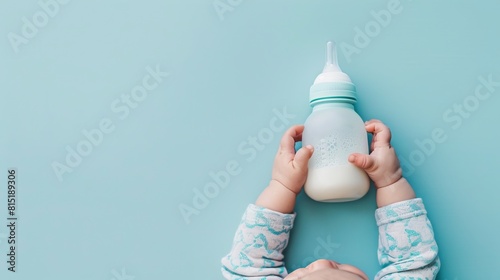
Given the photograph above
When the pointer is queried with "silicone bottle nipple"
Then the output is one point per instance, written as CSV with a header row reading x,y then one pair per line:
x,y
331,71
332,64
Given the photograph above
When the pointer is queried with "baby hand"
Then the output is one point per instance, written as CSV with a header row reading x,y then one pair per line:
x,y
290,168
382,165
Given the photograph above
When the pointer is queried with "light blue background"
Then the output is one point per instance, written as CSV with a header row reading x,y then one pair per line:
x,y
119,209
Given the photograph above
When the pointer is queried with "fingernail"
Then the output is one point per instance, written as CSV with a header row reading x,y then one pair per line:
x,y
310,147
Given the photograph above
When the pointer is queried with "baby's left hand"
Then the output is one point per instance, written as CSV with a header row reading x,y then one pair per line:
x,y
290,168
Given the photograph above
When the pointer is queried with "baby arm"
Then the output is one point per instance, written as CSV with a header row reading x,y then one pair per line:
x,y
289,173
257,251
407,248
382,165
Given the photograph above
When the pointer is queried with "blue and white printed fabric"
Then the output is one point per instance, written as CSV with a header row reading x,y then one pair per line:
x,y
407,248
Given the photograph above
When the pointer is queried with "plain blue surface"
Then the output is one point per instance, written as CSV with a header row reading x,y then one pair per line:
x,y
117,213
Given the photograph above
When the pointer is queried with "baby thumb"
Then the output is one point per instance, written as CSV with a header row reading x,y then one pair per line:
x,y
303,155
362,161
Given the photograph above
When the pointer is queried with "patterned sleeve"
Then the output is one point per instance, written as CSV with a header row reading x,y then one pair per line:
x,y
258,245
407,248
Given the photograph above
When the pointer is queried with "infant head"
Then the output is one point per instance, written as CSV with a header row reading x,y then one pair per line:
x,y
327,270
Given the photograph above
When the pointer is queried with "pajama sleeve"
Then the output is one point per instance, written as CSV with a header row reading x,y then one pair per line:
x,y
407,248
257,251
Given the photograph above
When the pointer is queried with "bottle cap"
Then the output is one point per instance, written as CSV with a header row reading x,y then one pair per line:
x,y
332,85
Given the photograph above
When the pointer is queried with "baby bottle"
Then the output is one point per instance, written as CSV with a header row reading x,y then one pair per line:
x,y
335,131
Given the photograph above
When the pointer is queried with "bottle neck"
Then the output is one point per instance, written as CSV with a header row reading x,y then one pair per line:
x,y
329,104
342,94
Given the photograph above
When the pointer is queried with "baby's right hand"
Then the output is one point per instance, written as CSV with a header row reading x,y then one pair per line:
x,y
382,164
